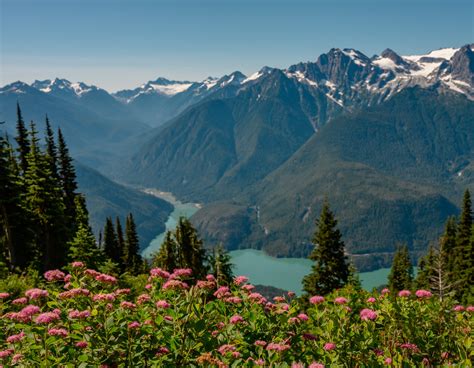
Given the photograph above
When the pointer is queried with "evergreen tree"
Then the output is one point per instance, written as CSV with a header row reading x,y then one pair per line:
x,y
133,260
67,174
463,268
330,270
83,246
190,248
167,256
221,266
448,241
22,140
120,243
426,269
111,247
15,241
51,149
44,201
401,274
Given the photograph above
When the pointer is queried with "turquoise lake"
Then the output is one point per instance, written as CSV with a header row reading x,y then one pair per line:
x,y
260,268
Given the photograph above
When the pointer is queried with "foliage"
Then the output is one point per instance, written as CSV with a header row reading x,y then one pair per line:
x,y
401,274
87,318
330,270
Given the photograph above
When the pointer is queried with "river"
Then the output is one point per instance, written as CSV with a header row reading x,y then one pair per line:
x,y
260,268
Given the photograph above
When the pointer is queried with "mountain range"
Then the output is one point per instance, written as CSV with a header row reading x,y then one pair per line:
x,y
388,139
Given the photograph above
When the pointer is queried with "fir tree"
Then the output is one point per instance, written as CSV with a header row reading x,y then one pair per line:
x,y
120,243
15,237
22,140
133,260
51,149
448,241
401,274
83,246
426,269
45,203
167,256
190,248
111,248
330,270
221,266
463,268
67,174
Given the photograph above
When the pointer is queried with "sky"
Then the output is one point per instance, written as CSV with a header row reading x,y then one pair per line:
x,y
117,44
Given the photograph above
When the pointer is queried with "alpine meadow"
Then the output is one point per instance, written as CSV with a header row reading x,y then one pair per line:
x,y
243,207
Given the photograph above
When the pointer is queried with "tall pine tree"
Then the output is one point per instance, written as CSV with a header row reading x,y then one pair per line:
x,y
110,241
133,261
67,175
44,201
330,270
120,242
15,235
221,266
167,255
463,268
401,274
22,140
83,246
51,149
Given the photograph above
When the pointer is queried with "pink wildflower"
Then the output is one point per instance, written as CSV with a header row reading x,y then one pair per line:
x,y
133,325
279,299
233,300
6,353
75,314
236,319
222,292
340,300
277,347
92,273
247,287
297,365
30,310
57,332
168,318
316,365
4,295
15,338
371,300
409,346
236,354
260,343
122,292
46,318
67,278
162,350
128,305
106,279
239,280
387,361
158,272
210,278
73,293
143,298
303,317
404,293
385,291
16,358
181,272
226,348
54,275
329,346
458,308
317,299
20,301
291,294
36,294
423,294
201,284
175,285
77,264
81,344
104,297
368,314
470,308
162,304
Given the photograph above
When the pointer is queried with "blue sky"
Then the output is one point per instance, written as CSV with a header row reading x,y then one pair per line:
x,y
122,43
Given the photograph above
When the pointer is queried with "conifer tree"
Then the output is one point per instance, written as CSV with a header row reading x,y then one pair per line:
x,y
463,268
22,140
330,270
83,246
67,174
111,248
167,256
51,149
191,252
448,241
426,269
15,239
45,203
133,260
120,243
401,274
221,266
